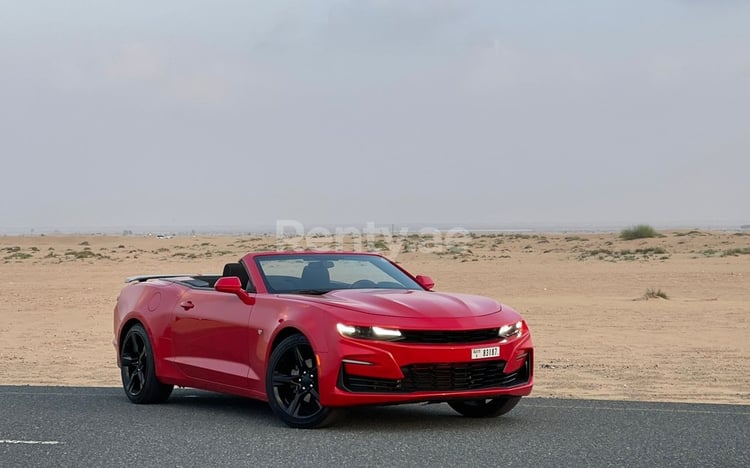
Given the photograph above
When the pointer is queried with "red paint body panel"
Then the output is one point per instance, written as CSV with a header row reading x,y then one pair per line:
x,y
221,341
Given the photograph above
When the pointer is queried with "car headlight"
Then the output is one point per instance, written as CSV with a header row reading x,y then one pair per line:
x,y
369,333
510,331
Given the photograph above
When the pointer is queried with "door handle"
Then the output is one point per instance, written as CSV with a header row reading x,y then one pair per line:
x,y
187,305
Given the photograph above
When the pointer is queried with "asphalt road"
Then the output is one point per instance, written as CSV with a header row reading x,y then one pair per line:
x,y
70,426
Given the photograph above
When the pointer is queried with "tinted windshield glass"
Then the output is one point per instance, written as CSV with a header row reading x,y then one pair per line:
x,y
319,274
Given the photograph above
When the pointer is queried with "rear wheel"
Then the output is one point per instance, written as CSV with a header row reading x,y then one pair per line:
x,y
292,385
485,408
138,371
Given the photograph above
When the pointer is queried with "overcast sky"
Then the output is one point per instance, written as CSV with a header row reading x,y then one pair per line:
x,y
239,113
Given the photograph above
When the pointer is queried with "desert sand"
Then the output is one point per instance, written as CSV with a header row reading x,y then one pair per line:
x,y
595,333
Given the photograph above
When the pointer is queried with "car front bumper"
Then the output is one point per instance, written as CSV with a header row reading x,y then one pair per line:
x,y
364,372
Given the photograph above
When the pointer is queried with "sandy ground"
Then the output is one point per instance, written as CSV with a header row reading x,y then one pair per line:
x,y
595,336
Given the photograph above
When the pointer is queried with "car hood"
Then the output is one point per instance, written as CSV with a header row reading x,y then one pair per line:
x,y
411,303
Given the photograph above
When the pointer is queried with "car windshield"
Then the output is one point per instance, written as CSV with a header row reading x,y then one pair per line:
x,y
319,274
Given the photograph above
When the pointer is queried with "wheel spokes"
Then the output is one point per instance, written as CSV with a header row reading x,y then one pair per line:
x,y
136,380
134,343
128,360
282,379
315,396
300,359
295,405
131,382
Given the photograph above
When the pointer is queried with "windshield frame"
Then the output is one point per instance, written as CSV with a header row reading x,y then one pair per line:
x,y
396,273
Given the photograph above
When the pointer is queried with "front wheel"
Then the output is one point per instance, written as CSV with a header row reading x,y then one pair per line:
x,y
292,385
138,371
485,408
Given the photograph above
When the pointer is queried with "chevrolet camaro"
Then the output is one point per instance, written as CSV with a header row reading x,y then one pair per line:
x,y
312,333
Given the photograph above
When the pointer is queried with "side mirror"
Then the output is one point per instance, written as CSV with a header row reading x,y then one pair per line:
x,y
232,284
425,281
228,284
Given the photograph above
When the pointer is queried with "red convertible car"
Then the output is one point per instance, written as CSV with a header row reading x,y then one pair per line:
x,y
313,332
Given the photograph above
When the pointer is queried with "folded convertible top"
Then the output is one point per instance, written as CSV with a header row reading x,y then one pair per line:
x,y
142,278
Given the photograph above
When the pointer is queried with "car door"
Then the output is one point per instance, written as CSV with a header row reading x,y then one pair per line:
x,y
211,338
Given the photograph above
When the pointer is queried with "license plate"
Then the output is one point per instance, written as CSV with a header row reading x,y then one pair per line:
x,y
484,353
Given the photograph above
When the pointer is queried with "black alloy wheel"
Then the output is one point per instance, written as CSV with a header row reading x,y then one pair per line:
x,y
292,385
485,408
138,371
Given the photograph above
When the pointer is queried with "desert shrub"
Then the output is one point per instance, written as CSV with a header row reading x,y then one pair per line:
x,y
651,250
624,254
18,256
596,252
380,244
692,233
736,251
81,254
655,294
641,231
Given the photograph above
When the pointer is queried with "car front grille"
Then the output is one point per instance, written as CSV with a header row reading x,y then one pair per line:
x,y
442,377
449,336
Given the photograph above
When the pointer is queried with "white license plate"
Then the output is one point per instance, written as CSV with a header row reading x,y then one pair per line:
x,y
484,353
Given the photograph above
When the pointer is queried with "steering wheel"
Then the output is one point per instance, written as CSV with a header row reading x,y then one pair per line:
x,y
363,283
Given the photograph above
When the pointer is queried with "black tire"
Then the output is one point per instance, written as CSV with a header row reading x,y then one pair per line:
x,y
138,371
485,408
292,385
